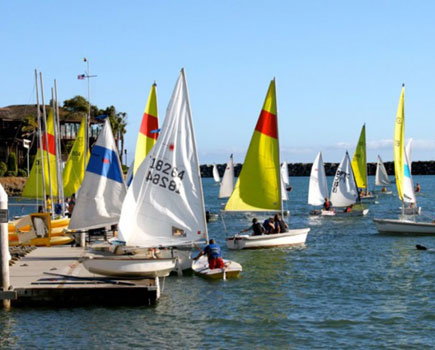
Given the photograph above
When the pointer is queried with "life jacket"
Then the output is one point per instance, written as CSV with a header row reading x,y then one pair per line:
x,y
213,251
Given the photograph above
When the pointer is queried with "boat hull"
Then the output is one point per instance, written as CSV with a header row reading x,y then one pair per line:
x,y
129,266
339,213
232,269
290,238
404,226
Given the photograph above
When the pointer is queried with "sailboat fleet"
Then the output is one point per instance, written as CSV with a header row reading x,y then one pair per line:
x,y
160,211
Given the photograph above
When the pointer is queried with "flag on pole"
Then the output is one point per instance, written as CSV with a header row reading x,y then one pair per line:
x,y
81,76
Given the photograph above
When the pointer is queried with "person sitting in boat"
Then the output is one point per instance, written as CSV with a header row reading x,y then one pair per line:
x,y
280,225
269,225
348,209
257,228
384,189
327,205
417,188
214,254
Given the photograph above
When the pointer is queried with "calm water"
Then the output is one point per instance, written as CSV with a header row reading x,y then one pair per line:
x,y
349,287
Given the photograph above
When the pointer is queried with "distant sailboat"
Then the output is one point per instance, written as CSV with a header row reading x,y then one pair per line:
x,y
258,188
359,166
405,187
318,187
216,176
227,184
381,177
344,192
285,182
103,189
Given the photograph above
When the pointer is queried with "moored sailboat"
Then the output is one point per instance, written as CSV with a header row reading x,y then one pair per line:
x,y
259,186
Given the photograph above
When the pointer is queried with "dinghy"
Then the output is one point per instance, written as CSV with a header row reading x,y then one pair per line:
x,y
381,177
231,269
216,176
318,187
359,168
344,193
404,184
259,186
227,184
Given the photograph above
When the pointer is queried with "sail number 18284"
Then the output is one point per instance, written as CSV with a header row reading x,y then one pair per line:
x,y
164,175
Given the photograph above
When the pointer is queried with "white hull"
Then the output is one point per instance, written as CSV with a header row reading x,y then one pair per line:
x,y
411,211
232,269
339,213
129,266
368,199
290,238
404,226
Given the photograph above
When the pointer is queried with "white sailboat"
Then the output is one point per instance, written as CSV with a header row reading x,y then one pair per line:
x,y
227,184
381,177
405,186
344,192
318,187
164,205
285,182
216,176
103,189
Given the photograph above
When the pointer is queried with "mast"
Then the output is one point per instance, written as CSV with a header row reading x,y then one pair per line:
x,y
279,152
60,191
195,152
44,115
38,117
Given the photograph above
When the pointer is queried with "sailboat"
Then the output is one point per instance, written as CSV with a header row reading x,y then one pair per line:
x,y
163,210
216,176
405,187
381,177
285,182
227,184
103,189
359,167
344,192
318,187
258,188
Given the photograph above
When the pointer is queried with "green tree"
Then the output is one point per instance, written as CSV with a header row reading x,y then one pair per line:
x,y
29,127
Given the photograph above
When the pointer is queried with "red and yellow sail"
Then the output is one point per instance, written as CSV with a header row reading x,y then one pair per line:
x,y
258,187
148,132
33,187
74,170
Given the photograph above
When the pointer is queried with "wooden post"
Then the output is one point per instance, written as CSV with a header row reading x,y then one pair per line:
x,y
4,246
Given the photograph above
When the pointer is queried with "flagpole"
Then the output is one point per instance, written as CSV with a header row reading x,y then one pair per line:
x,y
88,117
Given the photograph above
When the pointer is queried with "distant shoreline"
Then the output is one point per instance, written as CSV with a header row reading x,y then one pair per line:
x,y
14,185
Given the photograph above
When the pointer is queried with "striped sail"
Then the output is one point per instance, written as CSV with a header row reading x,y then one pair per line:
x,y
148,131
258,187
33,187
74,170
103,189
359,161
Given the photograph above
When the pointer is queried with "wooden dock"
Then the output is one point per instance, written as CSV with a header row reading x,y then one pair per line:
x,y
54,276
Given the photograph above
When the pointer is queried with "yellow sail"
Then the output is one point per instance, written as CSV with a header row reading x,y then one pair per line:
x,y
74,170
33,187
258,187
399,140
148,131
359,161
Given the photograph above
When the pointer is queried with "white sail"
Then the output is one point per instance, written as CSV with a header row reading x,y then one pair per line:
x,y
318,189
285,182
164,205
381,178
216,176
344,191
408,152
408,185
103,189
227,184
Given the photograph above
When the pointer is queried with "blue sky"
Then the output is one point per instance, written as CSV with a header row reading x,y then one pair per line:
x,y
338,64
